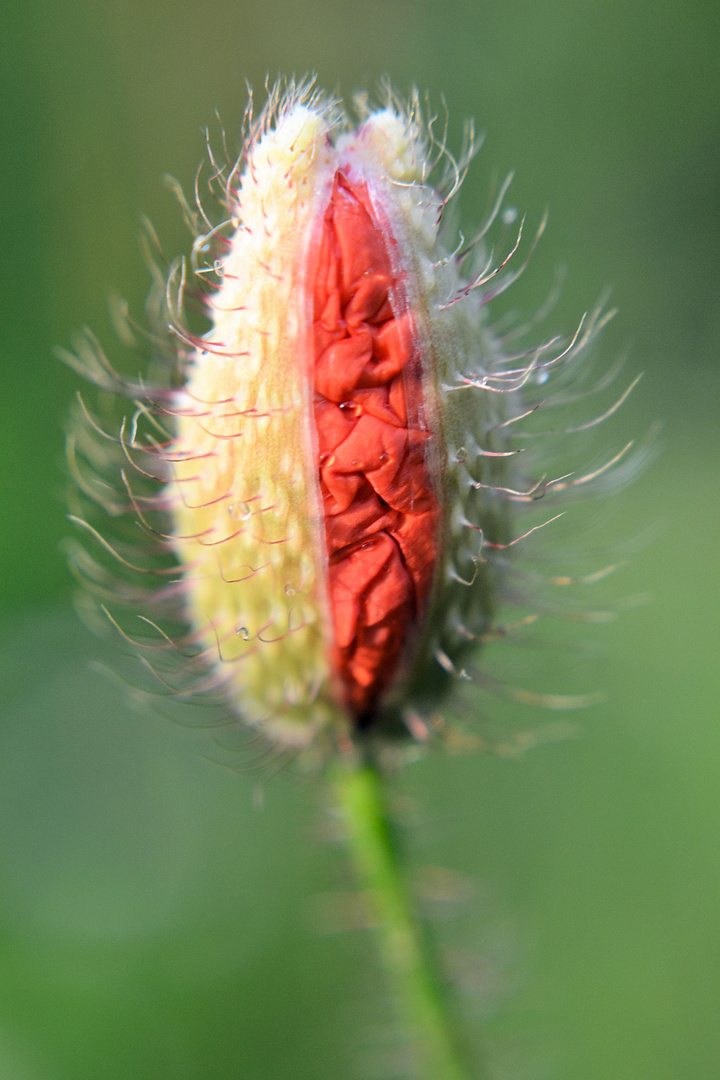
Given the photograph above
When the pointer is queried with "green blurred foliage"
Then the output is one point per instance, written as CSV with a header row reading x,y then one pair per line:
x,y
153,922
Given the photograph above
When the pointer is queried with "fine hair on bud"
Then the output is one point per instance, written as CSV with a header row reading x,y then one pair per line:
x,y
333,484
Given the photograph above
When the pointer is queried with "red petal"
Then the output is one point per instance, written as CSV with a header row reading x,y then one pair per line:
x,y
381,510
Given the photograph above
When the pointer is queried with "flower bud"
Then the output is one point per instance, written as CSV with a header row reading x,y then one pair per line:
x,y
326,474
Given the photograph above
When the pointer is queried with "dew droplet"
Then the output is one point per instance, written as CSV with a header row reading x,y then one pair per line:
x,y
289,590
239,511
542,376
350,408
383,458
243,632
509,215
327,460
461,454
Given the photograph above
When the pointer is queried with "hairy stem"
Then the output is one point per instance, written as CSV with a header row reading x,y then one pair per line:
x,y
405,948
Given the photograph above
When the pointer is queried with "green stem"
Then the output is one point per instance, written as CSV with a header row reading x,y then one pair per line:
x,y
405,949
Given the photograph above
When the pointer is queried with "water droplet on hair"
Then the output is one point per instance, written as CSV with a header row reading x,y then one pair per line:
x,y
243,632
461,454
239,511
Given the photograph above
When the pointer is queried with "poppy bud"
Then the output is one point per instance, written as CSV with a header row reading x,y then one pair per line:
x,y
331,464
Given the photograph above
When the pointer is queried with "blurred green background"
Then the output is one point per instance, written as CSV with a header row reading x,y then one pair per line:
x,y
154,922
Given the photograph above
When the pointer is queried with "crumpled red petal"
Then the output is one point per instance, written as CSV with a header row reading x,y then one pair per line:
x,y
380,509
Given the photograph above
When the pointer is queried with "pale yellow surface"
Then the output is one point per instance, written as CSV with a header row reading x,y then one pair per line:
x,y
247,522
